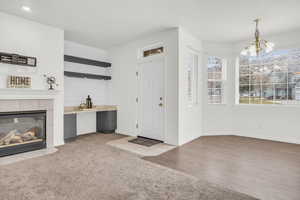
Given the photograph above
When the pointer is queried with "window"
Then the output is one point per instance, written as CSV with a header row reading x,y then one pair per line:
x,y
272,78
152,52
192,78
216,78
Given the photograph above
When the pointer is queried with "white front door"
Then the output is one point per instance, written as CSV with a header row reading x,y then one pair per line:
x,y
151,99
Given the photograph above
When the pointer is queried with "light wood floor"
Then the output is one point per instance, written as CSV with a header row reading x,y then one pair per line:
x,y
260,168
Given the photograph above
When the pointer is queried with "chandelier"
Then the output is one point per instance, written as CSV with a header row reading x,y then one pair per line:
x,y
259,45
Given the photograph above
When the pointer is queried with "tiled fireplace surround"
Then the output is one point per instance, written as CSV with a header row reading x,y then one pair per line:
x,y
32,105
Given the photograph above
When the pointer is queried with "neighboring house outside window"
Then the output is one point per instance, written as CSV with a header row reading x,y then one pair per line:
x,y
272,78
216,76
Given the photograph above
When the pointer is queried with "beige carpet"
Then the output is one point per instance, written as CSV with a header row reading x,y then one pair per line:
x,y
25,156
88,169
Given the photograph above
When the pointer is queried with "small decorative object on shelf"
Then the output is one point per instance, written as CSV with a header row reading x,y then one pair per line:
x,y
82,106
16,59
18,82
89,103
51,80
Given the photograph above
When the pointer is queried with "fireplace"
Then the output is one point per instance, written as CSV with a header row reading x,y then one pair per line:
x,y
22,131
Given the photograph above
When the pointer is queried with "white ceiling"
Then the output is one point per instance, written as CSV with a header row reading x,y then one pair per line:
x,y
105,23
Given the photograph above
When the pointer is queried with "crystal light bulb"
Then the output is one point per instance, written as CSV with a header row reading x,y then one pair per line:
x,y
270,45
244,52
252,50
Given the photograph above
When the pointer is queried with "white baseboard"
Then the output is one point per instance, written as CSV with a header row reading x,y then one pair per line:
x,y
235,133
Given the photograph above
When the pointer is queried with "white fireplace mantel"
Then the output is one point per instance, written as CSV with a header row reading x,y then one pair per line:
x,y
24,93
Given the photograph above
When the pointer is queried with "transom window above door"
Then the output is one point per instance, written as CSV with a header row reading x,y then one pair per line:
x,y
272,78
154,51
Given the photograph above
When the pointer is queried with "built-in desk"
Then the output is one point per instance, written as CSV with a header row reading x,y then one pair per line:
x,y
75,109
104,120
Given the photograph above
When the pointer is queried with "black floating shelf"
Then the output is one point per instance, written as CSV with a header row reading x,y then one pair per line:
x,y
86,61
85,75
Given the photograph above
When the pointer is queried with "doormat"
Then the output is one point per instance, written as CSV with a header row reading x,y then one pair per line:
x,y
145,141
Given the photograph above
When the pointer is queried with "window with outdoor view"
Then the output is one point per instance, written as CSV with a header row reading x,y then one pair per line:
x,y
216,77
272,78
192,82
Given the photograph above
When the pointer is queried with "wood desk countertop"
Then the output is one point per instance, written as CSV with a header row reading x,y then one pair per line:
x,y
75,109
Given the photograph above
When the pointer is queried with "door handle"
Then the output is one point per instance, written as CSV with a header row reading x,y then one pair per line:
x,y
161,104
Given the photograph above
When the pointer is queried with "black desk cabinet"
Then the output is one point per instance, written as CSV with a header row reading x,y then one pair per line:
x,y
70,127
106,121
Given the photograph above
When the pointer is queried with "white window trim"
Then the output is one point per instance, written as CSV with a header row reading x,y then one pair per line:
x,y
194,101
223,80
237,93
237,82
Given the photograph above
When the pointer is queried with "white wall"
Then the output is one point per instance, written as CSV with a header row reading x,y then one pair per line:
x,y
44,42
86,123
124,82
274,122
190,116
217,119
77,89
